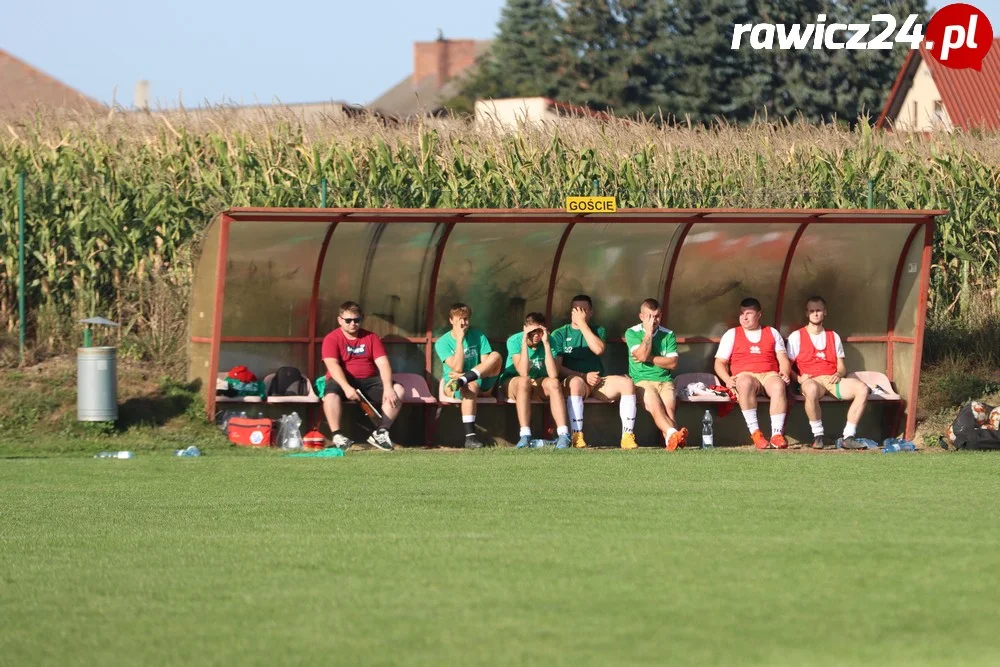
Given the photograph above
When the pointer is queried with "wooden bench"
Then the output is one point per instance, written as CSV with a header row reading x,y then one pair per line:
x,y
873,379
310,398
415,390
221,385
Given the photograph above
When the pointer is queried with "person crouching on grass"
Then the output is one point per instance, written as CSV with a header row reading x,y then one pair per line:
x,y
531,371
355,360
470,364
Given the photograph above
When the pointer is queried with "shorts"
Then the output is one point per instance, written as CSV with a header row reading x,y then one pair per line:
x,y
664,389
536,387
370,387
588,391
486,386
830,383
761,378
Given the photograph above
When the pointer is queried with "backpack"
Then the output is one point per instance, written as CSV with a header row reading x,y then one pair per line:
x,y
973,428
288,381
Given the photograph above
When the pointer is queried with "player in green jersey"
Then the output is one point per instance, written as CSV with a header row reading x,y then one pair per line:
x,y
531,371
470,364
652,356
578,347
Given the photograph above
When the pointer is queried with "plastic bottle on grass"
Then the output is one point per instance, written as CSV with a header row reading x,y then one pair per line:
x,y
190,451
893,445
707,437
115,455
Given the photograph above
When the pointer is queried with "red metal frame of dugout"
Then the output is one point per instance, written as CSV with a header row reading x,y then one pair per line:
x,y
688,217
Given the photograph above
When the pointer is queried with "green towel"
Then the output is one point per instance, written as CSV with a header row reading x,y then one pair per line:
x,y
329,452
256,388
320,386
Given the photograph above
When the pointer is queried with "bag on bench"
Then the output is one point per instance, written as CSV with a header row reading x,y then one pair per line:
x,y
241,382
975,428
288,381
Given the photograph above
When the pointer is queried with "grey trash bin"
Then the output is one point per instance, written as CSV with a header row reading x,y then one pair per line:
x,y
96,384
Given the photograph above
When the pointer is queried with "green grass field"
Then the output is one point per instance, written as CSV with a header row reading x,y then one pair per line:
x,y
502,557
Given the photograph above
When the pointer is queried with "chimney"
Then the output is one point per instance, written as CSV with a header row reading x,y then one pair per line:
x,y
141,100
442,59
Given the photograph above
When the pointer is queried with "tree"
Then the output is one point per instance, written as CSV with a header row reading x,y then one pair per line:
x,y
675,57
823,84
862,80
591,54
703,76
523,59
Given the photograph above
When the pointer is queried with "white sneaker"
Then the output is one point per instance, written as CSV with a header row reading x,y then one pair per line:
x,y
341,441
379,439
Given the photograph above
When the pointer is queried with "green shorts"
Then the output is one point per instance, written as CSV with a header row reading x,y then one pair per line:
x,y
486,386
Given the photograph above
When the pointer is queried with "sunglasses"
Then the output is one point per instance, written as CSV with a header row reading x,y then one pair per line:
x,y
352,320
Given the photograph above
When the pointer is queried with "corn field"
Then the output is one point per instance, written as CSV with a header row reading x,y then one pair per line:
x,y
115,205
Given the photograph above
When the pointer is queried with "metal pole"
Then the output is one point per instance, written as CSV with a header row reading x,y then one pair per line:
x,y
871,193
322,193
20,264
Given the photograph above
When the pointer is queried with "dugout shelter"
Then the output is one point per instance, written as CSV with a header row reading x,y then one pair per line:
x,y
268,282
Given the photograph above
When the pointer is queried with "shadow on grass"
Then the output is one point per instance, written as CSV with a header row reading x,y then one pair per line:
x,y
172,400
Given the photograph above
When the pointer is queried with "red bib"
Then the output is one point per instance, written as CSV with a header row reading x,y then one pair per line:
x,y
750,357
816,362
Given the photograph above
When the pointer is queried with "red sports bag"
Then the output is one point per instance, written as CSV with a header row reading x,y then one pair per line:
x,y
248,432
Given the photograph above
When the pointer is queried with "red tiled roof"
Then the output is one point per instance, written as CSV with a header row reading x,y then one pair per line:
x,y
971,98
25,89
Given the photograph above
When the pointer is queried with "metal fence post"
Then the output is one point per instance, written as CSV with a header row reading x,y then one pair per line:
x,y
22,324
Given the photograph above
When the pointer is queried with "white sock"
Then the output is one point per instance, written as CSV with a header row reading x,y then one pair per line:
x,y
671,431
525,431
777,424
850,430
562,430
468,419
626,410
574,406
751,418
817,428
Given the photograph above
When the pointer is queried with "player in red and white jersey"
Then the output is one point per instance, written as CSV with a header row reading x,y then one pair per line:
x,y
751,359
818,356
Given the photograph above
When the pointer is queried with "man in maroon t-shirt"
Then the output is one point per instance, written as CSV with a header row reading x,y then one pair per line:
x,y
355,360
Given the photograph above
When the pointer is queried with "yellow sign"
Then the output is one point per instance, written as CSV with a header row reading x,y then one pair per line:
x,y
591,205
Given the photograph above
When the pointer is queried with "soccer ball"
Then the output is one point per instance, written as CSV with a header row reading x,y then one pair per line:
x,y
995,419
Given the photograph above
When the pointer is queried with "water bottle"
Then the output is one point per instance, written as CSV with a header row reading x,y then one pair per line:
x,y
893,445
707,439
289,435
538,443
190,451
115,455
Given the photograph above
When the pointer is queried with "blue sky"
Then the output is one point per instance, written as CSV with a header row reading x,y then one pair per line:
x,y
249,51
